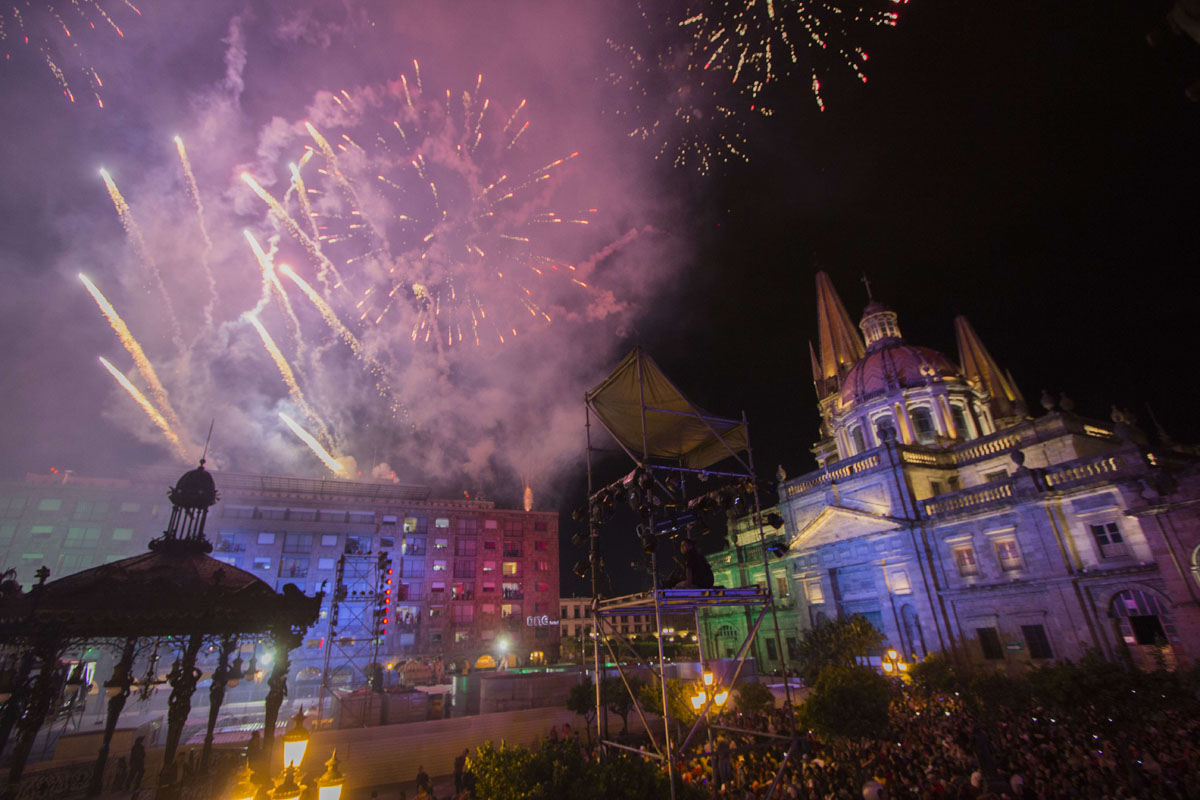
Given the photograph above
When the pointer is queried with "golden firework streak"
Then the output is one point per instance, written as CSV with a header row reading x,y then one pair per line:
x,y
139,356
150,410
143,254
289,378
321,453
194,191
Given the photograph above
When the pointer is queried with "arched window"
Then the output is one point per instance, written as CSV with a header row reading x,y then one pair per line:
x,y
1142,618
857,439
960,421
885,426
922,421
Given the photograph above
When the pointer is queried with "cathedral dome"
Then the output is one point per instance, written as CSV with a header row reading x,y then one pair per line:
x,y
892,365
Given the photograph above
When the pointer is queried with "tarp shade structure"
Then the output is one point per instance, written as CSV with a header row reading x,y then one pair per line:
x,y
675,429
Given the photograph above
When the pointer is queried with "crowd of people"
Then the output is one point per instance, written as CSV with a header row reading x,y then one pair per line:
x,y
935,748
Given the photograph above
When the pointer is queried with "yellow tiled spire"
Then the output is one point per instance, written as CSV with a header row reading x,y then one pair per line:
x,y
979,367
840,344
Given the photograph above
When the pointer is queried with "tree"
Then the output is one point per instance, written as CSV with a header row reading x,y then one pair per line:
x,y
849,701
836,643
582,700
752,697
618,699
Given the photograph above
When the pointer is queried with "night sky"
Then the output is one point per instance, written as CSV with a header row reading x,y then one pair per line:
x,y
1027,164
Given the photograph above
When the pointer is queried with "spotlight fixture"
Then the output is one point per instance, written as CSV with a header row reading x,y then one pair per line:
x,y
579,540
580,514
581,568
774,520
777,549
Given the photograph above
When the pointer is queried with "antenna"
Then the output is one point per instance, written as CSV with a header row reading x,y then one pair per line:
x,y
207,439
867,284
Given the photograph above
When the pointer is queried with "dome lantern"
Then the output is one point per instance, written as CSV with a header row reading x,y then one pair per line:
x,y
191,497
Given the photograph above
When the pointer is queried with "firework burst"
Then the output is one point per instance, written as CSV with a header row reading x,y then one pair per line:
x,y
757,42
56,30
423,213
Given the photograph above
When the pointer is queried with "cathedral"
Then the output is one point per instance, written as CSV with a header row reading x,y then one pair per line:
x,y
956,518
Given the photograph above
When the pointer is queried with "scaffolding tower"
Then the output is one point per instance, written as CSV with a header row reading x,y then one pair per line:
x,y
352,643
673,447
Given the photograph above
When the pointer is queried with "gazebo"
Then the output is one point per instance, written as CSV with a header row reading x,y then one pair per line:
x,y
176,590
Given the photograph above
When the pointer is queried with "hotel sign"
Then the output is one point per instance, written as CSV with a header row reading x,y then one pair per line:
x,y
540,622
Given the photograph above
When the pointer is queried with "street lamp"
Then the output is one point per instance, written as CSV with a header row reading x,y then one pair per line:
x,y
295,741
706,690
245,788
287,789
329,785
892,665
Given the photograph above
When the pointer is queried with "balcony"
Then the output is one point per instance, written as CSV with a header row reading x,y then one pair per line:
x,y
513,594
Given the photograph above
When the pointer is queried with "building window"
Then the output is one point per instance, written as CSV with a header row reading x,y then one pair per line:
x,y
541,545
781,586
90,509
489,545
122,534
293,567
49,504
489,587
464,613
325,563
464,547
272,513
935,488
441,522
511,591
412,568
262,562
462,590
857,439
467,527
885,427
41,531
543,586
82,537
390,519
1036,641
329,540
302,514
960,421
899,582
511,568
297,542
360,517
329,515
130,508
964,557
1010,557
415,524
439,566
540,525
489,566
266,538
1108,537
464,568
814,592
512,549
437,588
542,566
989,640
772,650
996,476
490,524
922,421
11,506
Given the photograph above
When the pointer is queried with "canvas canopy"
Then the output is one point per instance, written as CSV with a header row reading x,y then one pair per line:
x,y
674,428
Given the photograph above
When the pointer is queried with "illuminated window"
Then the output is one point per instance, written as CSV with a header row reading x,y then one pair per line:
x,y
960,421
329,540
130,508
885,427
467,527
122,534
439,566
262,562
489,566
898,580
441,522
325,563
41,531
490,524
814,592
441,544
541,545
266,538
964,557
511,568
464,547
542,566
998,476
49,504
1006,551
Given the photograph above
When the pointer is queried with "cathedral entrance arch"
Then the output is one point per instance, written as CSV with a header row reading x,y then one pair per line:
x,y
1145,626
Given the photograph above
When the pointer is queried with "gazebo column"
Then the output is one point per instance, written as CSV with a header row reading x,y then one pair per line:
x,y
285,641
16,704
120,681
216,695
40,700
183,684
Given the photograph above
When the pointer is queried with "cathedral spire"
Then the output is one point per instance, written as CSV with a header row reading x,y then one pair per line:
x,y
816,365
839,342
978,366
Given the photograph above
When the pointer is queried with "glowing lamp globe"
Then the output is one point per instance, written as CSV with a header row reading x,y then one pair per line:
x,y
329,785
698,701
892,655
708,677
720,697
887,667
245,788
295,741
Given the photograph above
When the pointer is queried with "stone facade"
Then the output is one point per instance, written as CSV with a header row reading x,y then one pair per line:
x,y
954,520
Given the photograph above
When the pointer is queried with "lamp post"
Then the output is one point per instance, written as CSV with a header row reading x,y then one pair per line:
x,y
295,741
892,665
328,786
